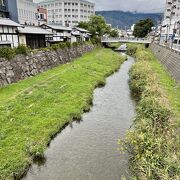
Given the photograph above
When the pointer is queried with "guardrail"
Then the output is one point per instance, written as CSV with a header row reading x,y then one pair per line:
x,y
140,40
176,47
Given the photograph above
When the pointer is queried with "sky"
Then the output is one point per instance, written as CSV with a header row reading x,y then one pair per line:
x,y
129,5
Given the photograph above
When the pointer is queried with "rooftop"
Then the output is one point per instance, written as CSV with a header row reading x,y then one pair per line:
x,y
47,1
59,27
8,22
81,29
33,30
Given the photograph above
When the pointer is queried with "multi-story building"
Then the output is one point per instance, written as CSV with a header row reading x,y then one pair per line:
x,y
170,29
42,16
3,9
23,11
68,12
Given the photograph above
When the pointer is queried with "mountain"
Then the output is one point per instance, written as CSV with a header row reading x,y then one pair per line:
x,y
126,19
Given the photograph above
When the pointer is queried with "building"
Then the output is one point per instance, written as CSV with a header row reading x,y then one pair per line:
x,y
60,33
34,37
170,29
67,34
23,11
132,27
42,16
68,12
3,9
80,34
8,33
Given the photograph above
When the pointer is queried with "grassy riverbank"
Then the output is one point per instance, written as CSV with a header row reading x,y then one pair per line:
x,y
154,140
32,111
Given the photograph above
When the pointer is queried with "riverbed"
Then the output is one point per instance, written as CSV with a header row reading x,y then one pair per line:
x,y
88,149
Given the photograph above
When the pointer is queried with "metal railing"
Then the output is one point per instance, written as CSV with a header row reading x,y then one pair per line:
x,y
107,39
176,47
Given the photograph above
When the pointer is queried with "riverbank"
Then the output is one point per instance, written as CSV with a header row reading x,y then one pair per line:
x,y
154,140
34,110
88,149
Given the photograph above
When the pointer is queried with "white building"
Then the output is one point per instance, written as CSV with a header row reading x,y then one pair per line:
x,y
68,12
8,33
67,34
23,11
60,33
170,29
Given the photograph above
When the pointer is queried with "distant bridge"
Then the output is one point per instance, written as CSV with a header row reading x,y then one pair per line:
x,y
126,40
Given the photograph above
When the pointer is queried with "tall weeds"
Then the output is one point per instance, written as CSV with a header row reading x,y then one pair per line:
x,y
153,142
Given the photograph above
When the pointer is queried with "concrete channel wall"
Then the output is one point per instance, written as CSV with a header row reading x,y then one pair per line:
x,y
23,66
169,58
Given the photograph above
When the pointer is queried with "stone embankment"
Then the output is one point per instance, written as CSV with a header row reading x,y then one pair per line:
x,y
169,58
23,66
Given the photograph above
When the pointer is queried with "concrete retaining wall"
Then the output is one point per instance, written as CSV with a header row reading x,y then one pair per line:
x,y
169,58
23,66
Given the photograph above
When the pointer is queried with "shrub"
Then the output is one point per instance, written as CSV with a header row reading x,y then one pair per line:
x,y
62,45
7,53
75,44
96,40
152,143
55,46
68,44
22,49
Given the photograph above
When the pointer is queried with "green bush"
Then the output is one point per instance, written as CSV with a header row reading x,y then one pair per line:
x,y
96,40
55,46
7,53
68,44
62,45
22,49
75,44
152,143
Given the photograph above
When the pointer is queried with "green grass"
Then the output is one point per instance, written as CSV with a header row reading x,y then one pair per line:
x,y
32,111
154,141
171,88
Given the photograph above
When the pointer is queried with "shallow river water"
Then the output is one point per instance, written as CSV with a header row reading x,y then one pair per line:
x,y
89,150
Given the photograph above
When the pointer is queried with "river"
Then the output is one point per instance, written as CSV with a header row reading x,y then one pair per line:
x,y
89,150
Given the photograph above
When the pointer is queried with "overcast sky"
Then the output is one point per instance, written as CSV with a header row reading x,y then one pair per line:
x,y
129,5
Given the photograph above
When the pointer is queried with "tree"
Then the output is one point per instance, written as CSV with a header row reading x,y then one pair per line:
x,y
84,25
96,26
114,33
143,27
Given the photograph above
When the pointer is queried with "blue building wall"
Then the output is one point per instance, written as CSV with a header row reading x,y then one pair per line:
x,y
13,11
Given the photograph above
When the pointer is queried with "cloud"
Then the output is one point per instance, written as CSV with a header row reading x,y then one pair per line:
x,y
129,5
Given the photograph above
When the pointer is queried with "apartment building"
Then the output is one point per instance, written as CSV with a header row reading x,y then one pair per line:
x,y
3,9
171,23
23,11
68,12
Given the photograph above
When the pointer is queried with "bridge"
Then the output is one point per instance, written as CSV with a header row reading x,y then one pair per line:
x,y
126,40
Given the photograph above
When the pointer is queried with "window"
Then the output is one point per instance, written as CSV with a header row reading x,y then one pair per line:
x,y
175,41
